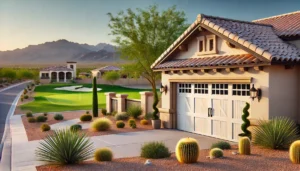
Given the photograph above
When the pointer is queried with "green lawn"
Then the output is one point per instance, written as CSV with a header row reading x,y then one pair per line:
x,y
47,99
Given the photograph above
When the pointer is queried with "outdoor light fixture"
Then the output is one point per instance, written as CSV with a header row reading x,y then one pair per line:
x,y
163,88
255,93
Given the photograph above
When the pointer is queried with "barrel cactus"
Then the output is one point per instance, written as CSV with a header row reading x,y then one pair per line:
x,y
295,152
187,150
215,153
244,146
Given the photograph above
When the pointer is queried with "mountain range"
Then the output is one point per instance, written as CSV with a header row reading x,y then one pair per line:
x,y
60,51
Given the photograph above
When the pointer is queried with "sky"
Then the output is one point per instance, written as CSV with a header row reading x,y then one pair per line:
x,y
31,22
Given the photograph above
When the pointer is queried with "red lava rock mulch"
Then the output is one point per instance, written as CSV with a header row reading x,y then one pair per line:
x,y
260,160
34,133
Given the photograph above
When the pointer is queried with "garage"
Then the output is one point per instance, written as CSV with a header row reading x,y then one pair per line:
x,y
211,109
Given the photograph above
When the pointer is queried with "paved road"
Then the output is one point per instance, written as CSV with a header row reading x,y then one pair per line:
x,y
6,99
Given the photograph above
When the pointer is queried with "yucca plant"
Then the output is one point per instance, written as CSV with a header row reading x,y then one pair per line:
x,y
65,147
277,133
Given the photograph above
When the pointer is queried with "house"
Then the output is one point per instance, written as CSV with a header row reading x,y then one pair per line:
x,y
99,72
59,73
218,64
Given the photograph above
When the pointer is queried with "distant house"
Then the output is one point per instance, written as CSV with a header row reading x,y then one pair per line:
x,y
59,73
100,71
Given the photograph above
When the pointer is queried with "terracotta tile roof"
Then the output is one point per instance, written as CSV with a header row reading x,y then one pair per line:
x,y
108,68
285,25
216,61
57,68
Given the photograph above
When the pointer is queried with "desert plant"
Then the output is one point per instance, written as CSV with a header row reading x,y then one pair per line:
x,y
246,124
244,146
103,154
114,113
101,124
144,122
65,147
87,112
134,111
221,144
22,98
120,124
277,133
45,114
41,118
58,117
121,116
25,91
45,127
215,153
26,96
86,117
31,119
95,98
133,125
187,150
131,122
295,152
104,112
155,150
111,76
75,127
148,116
29,114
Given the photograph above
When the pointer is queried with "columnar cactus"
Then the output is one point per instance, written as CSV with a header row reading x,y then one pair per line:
x,y
215,153
295,152
244,146
187,150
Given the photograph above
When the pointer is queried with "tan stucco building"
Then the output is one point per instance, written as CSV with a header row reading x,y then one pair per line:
x,y
210,69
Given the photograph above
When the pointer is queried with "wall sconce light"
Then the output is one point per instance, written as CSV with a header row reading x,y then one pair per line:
x,y
255,93
163,89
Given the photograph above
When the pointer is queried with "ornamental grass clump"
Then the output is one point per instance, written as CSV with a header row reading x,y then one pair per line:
x,y
65,147
215,153
134,111
277,133
121,116
155,150
103,154
222,145
101,124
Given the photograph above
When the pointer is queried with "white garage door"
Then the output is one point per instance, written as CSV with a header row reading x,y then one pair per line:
x,y
212,109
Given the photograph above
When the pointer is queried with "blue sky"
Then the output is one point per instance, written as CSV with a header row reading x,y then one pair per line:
x,y
30,22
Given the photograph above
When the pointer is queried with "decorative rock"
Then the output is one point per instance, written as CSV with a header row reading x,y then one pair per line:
x,y
234,153
148,162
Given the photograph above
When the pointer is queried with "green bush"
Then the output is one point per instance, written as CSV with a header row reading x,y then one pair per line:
x,y
134,111
45,114
131,122
101,124
26,96
120,124
148,116
246,124
155,150
76,128
87,112
103,154
222,145
31,119
65,147
58,117
216,153
45,127
121,116
104,111
277,133
86,117
41,118
29,114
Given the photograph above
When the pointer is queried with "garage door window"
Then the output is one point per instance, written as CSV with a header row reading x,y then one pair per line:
x,y
220,89
201,89
185,88
241,89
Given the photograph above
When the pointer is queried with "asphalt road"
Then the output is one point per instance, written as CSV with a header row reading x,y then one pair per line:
x,y
6,99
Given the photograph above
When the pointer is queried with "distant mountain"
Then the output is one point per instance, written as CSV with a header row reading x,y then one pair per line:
x,y
60,51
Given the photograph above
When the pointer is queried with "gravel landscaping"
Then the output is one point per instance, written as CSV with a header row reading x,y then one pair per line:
x,y
260,160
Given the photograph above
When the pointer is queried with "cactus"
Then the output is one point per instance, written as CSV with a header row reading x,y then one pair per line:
x,y
95,98
215,153
244,146
246,124
187,150
295,152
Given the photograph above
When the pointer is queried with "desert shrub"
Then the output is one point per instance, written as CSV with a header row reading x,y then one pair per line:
x,y
103,154
144,122
148,116
87,112
155,150
45,114
120,124
25,91
65,147
41,118
121,116
29,114
134,111
104,111
131,122
216,153
221,144
58,117
277,133
86,117
22,98
31,119
26,96
101,124
76,128
45,127
114,113
111,76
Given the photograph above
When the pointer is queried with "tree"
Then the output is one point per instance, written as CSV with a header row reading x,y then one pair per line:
x,y
143,35
95,98
26,75
9,74
111,76
246,124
